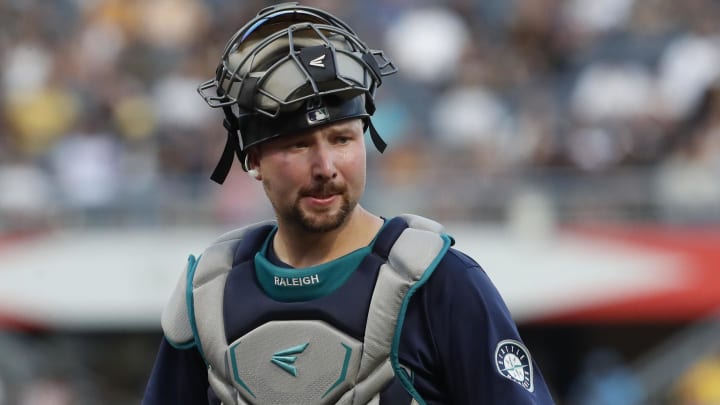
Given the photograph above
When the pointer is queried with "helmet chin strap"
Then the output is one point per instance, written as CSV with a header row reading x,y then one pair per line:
x,y
375,137
232,148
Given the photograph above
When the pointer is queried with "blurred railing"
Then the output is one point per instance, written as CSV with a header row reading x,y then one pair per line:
x,y
532,198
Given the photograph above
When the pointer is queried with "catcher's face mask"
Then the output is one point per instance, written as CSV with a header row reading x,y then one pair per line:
x,y
289,69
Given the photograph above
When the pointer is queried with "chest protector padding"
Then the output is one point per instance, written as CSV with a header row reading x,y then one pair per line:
x,y
337,368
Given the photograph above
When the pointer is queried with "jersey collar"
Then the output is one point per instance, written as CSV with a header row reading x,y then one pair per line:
x,y
284,283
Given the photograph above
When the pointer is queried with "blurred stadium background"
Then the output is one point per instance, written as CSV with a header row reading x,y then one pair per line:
x,y
571,146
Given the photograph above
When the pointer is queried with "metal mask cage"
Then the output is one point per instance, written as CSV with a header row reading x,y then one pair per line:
x,y
286,82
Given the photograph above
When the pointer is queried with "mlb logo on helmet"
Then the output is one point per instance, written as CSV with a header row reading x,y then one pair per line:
x,y
317,116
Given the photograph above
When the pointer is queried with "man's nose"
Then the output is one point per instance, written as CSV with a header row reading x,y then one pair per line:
x,y
323,165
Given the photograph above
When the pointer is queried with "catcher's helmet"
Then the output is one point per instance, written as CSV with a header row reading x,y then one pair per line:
x,y
290,68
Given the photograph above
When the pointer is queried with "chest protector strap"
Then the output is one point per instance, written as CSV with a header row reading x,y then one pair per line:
x,y
193,316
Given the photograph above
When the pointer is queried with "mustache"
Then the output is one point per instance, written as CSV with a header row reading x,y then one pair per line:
x,y
322,190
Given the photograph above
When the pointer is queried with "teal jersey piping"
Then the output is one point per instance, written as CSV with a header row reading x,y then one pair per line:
x,y
399,372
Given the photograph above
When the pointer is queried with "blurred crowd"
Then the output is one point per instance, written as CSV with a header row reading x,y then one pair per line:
x,y
533,111
582,108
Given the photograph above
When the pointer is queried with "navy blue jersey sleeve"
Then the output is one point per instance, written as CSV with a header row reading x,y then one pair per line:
x,y
461,344
179,377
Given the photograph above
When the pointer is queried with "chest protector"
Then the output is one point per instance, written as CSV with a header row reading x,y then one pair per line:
x,y
336,368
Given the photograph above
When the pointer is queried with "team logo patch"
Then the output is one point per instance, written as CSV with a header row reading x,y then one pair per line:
x,y
513,362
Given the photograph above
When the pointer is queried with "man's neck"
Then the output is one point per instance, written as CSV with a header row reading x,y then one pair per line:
x,y
300,248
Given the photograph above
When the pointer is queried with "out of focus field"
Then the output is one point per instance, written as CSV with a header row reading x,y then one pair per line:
x,y
571,147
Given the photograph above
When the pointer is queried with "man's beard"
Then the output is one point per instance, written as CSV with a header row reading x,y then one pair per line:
x,y
319,222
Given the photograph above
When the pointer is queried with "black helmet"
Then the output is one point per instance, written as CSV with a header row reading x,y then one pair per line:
x,y
290,68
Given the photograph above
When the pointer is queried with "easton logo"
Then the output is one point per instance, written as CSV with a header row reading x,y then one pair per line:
x,y
285,358
318,62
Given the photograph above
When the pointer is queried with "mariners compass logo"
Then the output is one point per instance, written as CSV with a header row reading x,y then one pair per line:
x,y
513,362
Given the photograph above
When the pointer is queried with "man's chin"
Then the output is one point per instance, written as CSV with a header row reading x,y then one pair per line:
x,y
322,220
318,223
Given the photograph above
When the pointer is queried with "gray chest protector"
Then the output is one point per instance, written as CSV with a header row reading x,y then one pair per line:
x,y
336,368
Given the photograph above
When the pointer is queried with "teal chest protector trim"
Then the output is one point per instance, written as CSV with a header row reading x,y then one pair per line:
x,y
192,266
401,373
191,319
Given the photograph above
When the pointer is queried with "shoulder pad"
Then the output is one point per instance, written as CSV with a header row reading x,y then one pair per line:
x,y
418,222
175,319
426,224
178,318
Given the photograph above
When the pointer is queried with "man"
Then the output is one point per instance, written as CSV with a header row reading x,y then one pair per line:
x,y
329,303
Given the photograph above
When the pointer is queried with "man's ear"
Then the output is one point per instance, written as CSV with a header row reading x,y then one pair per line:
x,y
251,164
